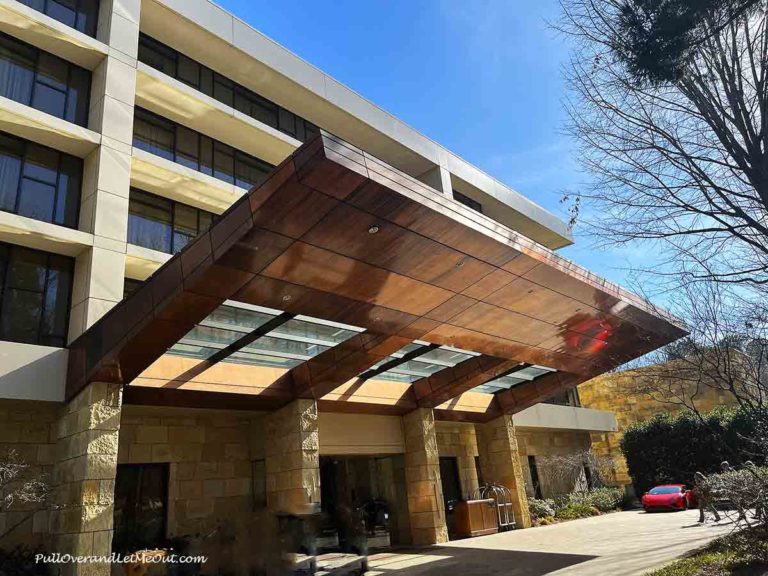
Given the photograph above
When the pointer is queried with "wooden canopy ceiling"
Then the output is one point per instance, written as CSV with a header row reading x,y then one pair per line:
x,y
336,234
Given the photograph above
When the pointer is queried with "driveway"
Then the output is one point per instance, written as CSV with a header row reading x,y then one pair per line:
x,y
619,544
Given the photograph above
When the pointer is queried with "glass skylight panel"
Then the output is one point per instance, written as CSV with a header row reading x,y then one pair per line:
x,y
192,351
287,345
446,356
235,318
206,335
397,376
532,372
244,357
289,348
316,330
407,349
515,378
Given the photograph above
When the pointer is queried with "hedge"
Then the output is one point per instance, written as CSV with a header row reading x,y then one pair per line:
x,y
670,449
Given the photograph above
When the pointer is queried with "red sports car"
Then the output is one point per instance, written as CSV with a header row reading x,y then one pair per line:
x,y
668,497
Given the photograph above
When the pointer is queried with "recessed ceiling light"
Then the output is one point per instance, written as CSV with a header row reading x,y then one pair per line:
x,y
286,298
373,229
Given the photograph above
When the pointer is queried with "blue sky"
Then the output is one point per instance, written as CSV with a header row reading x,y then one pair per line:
x,y
482,77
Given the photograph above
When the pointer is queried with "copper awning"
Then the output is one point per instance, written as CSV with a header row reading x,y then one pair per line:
x,y
336,234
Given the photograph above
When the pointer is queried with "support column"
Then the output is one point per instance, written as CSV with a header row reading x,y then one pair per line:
x,y
438,178
84,477
99,271
500,463
466,460
422,476
292,457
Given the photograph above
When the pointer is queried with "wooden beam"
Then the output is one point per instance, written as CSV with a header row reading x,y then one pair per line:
x,y
451,382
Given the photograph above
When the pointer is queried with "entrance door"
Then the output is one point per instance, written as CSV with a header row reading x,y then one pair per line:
x,y
141,507
449,474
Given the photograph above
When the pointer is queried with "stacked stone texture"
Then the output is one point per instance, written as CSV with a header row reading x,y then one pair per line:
x,y
422,476
500,463
292,457
84,477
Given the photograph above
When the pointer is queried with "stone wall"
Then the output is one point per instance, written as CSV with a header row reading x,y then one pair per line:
x,y
458,439
29,429
619,393
210,455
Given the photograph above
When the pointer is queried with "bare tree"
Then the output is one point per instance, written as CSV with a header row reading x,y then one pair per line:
x,y
684,163
19,486
726,354
578,471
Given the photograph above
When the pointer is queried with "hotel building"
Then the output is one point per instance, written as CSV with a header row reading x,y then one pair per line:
x,y
229,283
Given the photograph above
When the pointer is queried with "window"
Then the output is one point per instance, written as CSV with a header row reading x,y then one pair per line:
x,y
180,144
35,292
129,286
141,505
39,182
565,398
534,469
161,224
43,81
154,134
221,88
467,201
82,15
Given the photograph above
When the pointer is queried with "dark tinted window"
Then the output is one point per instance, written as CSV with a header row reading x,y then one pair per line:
x,y
129,286
467,201
34,296
213,84
161,224
665,490
141,507
178,143
43,81
39,182
81,15
154,134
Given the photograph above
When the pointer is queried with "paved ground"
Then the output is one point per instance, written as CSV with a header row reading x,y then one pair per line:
x,y
620,544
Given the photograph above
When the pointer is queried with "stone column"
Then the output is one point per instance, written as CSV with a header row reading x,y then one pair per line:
x,y
84,477
467,450
500,463
99,271
422,476
292,457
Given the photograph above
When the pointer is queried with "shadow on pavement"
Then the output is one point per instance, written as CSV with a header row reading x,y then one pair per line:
x,y
443,561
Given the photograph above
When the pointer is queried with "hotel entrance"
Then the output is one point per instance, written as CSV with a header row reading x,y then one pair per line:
x,y
364,504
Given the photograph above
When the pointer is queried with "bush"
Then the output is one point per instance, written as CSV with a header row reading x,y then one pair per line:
x,y
670,449
20,561
541,508
605,499
576,510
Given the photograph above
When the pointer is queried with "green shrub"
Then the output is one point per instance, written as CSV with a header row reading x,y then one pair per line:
x,y
672,448
605,499
576,510
541,508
